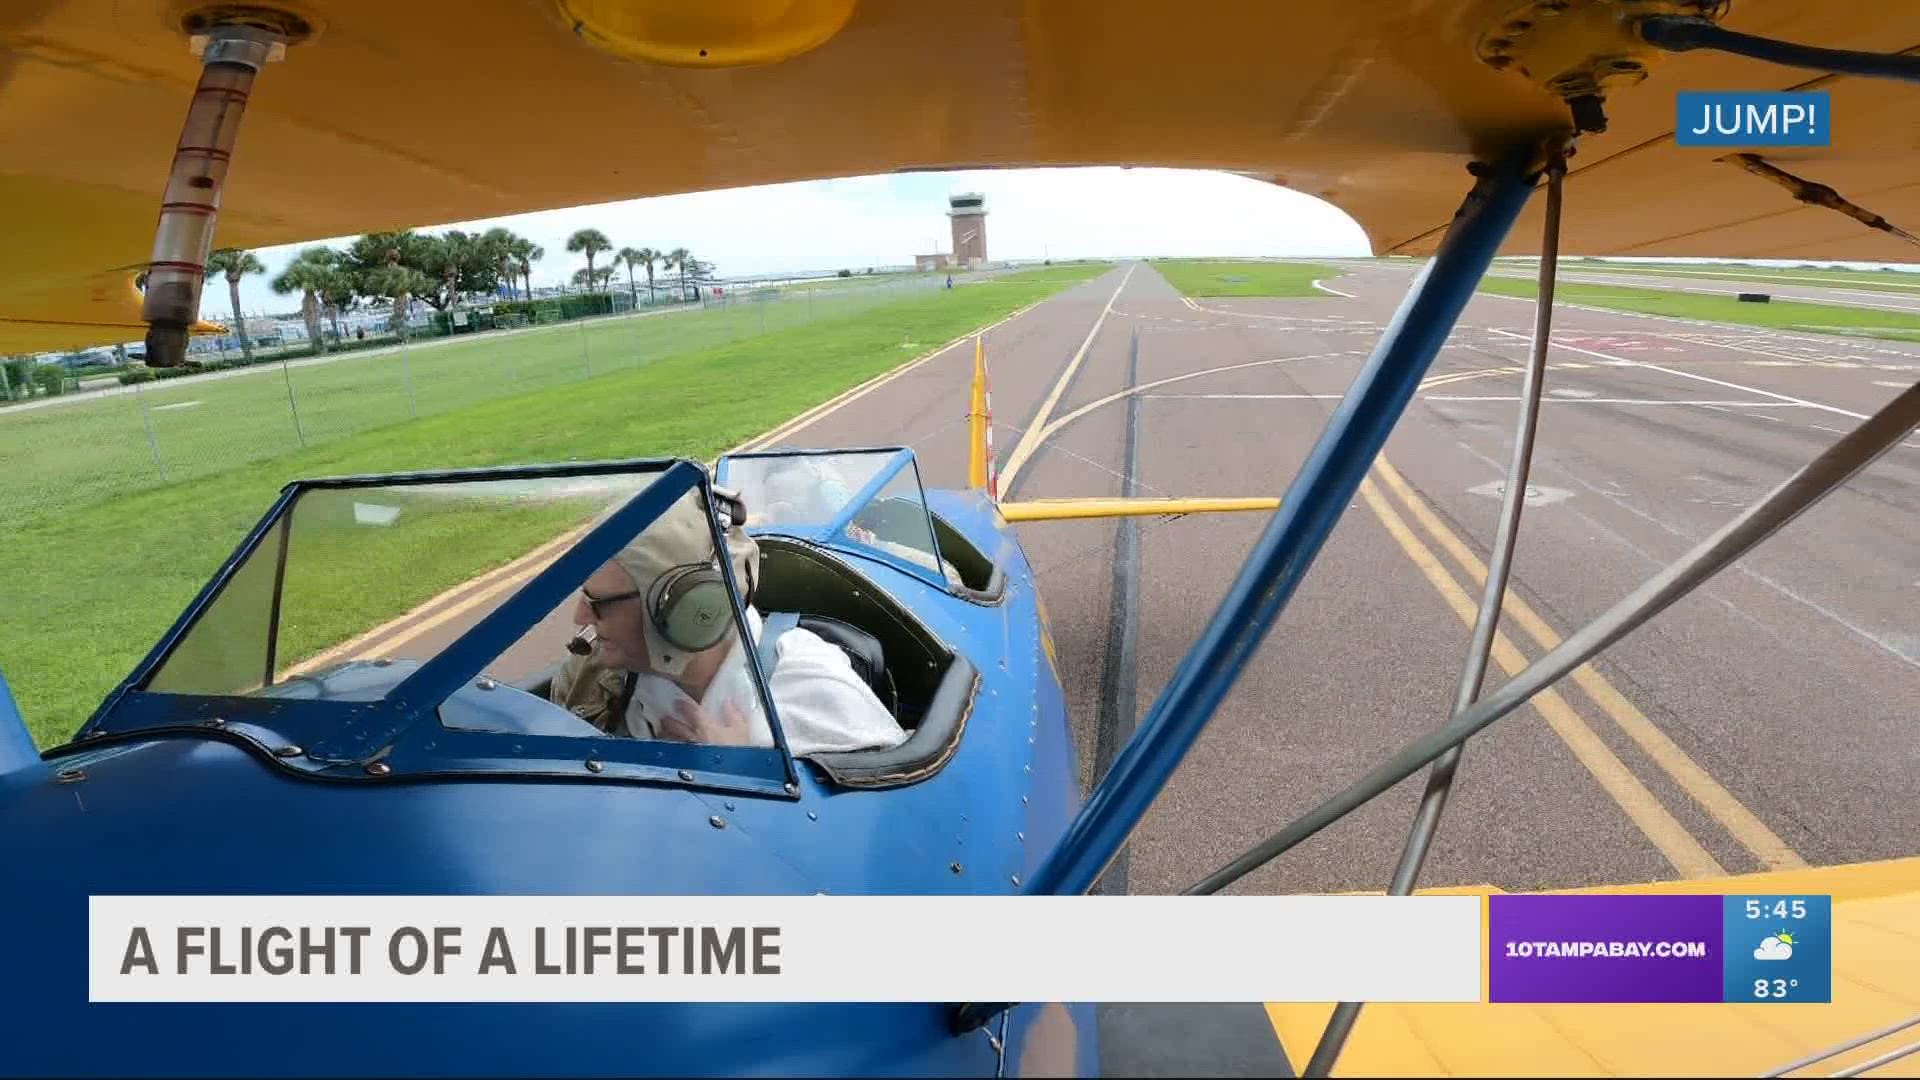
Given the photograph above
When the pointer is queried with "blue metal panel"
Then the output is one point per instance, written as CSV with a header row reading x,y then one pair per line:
x,y
276,835
17,752
1313,503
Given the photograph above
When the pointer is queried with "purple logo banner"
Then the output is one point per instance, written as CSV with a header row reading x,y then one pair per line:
x,y
1605,948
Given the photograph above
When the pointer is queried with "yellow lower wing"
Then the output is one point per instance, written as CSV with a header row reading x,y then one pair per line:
x,y
981,475
1876,984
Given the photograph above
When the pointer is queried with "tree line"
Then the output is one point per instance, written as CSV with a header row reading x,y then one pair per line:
x,y
384,269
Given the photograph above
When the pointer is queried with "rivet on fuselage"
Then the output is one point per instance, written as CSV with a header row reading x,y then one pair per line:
x,y
485,683
717,821
70,776
811,816
790,788
1016,879
685,775
378,768
289,751
955,867
594,765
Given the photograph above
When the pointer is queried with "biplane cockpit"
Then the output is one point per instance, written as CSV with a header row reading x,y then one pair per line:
x,y
505,672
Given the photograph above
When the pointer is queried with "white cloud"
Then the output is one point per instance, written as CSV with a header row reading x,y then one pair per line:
x,y
886,220
1773,949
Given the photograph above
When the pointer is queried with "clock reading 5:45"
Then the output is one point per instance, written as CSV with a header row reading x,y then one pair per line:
x,y
1777,908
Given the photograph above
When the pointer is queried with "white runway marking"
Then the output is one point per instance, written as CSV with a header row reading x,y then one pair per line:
x,y
1706,379
1336,292
176,405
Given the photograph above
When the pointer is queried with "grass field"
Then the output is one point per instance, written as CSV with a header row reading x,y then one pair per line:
x,y
1777,315
1194,278
98,574
1894,281
86,449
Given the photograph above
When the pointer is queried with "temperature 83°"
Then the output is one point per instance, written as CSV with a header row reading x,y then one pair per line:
x,y
1774,988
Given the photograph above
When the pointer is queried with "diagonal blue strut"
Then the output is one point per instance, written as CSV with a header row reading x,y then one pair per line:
x,y
1322,490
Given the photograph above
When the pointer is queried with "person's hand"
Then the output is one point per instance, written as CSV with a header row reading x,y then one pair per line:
x,y
691,723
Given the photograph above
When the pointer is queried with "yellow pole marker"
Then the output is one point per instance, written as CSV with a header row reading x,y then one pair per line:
x,y
977,420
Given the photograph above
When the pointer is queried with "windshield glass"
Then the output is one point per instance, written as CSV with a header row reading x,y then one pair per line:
x,y
490,624
389,572
895,521
809,491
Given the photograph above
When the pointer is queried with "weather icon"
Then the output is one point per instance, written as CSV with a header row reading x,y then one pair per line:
x,y
1777,947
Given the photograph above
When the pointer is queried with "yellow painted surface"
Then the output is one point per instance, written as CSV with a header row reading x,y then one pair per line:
x,y
1740,822
1654,821
1073,509
977,420
1377,107
1876,969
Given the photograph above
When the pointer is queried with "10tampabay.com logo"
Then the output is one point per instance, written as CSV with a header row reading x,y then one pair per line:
x,y
1752,118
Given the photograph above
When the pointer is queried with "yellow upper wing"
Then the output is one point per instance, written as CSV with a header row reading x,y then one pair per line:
x,y
413,114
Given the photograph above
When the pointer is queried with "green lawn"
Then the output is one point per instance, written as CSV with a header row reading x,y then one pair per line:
x,y
1777,315
1895,281
1196,278
98,571
79,452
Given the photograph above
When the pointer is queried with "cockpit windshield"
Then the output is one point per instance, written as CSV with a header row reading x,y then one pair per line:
x,y
382,573
868,500
500,620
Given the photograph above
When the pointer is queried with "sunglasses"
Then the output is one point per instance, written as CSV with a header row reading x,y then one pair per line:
x,y
594,602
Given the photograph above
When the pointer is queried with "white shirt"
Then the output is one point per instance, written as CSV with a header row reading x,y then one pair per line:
x,y
823,703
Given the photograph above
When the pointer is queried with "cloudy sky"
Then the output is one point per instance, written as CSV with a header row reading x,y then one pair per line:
x,y
886,220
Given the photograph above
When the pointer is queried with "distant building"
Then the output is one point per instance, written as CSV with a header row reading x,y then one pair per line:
x,y
936,261
969,214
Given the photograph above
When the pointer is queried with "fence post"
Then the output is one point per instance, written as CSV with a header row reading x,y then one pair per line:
x,y
586,350
406,372
292,406
153,441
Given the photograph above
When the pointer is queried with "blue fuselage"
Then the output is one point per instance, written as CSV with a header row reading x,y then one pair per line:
x,y
188,815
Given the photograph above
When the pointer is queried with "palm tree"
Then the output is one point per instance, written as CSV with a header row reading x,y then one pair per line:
x,y
236,263
337,293
648,257
525,254
400,283
309,273
632,257
498,244
589,242
679,259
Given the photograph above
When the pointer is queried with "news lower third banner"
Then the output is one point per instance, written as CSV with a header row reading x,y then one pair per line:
x,y
1587,948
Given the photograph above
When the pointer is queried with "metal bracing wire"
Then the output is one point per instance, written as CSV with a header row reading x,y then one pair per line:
x,y
1499,567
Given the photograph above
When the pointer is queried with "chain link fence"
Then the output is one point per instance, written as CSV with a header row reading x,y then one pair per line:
x,y
102,438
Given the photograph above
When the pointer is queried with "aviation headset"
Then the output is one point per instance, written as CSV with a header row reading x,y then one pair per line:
x,y
689,604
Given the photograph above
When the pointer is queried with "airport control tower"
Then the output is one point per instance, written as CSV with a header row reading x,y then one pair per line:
x,y
969,214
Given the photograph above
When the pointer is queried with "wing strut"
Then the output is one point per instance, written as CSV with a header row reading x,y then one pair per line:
x,y
1322,490
1433,801
231,55
1814,481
